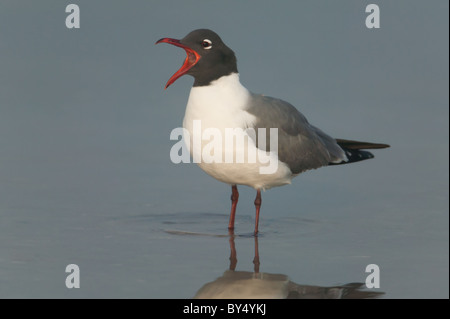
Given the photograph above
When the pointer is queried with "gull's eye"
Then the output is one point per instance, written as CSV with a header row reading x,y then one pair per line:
x,y
206,44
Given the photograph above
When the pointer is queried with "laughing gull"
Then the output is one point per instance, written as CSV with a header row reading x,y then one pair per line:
x,y
219,101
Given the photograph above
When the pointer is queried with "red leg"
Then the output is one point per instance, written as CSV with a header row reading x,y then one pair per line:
x,y
257,206
234,201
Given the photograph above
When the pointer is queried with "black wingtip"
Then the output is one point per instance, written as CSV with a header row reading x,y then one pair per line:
x,y
354,150
356,145
354,156
357,155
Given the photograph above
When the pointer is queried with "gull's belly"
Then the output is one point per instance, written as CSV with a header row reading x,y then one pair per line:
x,y
234,162
248,174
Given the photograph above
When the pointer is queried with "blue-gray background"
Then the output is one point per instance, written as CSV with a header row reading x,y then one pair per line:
x,y
85,174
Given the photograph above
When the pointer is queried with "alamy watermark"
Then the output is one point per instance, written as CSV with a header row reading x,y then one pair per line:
x,y
373,279
73,279
373,19
230,145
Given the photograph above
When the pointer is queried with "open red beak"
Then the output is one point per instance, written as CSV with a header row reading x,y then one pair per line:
x,y
191,59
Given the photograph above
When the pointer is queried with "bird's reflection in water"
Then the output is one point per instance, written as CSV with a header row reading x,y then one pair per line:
x,y
256,285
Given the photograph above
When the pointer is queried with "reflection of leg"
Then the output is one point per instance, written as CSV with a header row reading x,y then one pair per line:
x,y
256,259
234,201
257,206
233,258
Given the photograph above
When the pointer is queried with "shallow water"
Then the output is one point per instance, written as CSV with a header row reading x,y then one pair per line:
x,y
86,178
173,255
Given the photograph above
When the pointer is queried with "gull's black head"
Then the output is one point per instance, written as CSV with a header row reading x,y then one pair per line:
x,y
208,58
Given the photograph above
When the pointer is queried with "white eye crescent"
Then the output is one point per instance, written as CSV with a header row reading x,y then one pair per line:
x,y
206,44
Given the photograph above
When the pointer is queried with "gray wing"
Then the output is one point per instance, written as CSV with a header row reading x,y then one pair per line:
x,y
300,145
